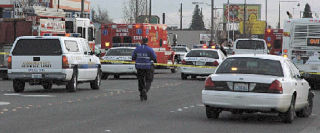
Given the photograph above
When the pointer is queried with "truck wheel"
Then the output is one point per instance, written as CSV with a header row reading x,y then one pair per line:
x,y
184,76
18,85
307,110
47,86
212,113
288,116
95,85
73,83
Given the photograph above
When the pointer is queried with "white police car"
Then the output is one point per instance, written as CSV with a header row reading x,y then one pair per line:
x,y
201,62
117,61
51,60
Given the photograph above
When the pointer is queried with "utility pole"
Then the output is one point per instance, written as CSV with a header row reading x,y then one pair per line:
x,y
228,24
82,8
181,16
245,18
266,14
136,14
146,8
212,25
150,11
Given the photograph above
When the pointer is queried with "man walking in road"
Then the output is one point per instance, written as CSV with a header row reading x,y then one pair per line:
x,y
144,55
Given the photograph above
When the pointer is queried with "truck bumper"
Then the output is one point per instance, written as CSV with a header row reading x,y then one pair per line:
x,y
44,76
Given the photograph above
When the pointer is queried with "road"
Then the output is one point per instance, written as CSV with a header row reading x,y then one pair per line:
x,y
173,106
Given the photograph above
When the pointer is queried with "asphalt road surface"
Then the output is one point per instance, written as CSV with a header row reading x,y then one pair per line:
x,y
173,106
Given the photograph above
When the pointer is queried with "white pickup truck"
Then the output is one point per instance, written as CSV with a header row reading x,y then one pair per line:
x,y
52,60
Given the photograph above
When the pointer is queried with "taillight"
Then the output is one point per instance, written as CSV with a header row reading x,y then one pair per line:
x,y
183,62
215,63
65,63
209,85
9,62
276,87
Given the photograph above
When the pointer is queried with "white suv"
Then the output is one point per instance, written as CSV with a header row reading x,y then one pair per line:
x,y
53,60
250,46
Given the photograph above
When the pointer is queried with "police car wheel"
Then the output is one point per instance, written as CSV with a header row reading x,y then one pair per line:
x,y
212,113
73,83
184,76
194,76
307,110
95,85
18,85
288,116
173,70
104,76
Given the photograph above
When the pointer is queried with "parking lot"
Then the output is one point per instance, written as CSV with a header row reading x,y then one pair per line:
x,y
173,105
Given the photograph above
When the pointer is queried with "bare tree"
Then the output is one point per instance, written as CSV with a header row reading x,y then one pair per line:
x,y
130,8
101,16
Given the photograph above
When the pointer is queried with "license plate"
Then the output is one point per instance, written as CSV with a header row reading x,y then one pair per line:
x,y
241,87
36,76
200,63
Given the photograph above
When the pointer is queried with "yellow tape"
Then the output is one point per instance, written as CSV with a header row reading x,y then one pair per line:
x,y
4,53
313,73
158,64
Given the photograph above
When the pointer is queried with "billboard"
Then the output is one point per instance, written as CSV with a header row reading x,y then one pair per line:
x,y
71,5
236,13
253,26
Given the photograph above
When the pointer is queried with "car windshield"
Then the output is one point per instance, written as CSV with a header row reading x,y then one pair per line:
x,y
37,47
179,49
246,65
120,52
203,53
250,44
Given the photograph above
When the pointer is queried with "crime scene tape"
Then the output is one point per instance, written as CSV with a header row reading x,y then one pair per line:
x,y
4,53
157,64
312,73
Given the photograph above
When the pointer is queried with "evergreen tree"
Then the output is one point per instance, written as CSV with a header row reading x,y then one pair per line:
x,y
307,11
197,20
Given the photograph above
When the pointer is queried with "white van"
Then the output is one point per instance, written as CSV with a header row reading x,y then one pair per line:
x,y
250,46
52,60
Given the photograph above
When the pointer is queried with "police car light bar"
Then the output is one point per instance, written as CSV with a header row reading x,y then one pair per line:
x,y
125,44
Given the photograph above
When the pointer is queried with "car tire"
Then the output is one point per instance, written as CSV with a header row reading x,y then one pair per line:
x,y
116,76
193,76
212,113
95,85
184,76
307,110
73,83
47,86
104,76
18,85
288,116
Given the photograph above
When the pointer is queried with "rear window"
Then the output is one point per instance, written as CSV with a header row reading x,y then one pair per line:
x,y
120,52
179,49
250,44
251,66
37,47
203,53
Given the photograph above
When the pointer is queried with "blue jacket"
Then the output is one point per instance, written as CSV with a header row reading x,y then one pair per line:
x,y
143,55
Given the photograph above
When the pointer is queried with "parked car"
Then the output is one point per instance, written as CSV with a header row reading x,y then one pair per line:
x,y
180,52
250,46
201,58
52,60
118,68
257,83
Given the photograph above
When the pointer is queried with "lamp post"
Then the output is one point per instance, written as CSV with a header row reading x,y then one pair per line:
x,y
279,11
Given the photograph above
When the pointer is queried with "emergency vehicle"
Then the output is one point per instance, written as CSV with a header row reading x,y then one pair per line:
x,y
273,38
84,27
301,44
127,34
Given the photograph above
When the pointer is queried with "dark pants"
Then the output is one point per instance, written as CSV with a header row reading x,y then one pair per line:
x,y
145,77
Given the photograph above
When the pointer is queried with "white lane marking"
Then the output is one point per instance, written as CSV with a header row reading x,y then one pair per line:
x,y
12,94
108,130
200,105
38,96
185,107
179,109
172,111
4,103
191,106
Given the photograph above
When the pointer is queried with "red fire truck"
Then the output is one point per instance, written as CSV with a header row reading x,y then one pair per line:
x,y
115,34
273,38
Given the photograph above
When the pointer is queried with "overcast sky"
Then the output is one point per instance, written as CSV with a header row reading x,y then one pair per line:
x,y
171,8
